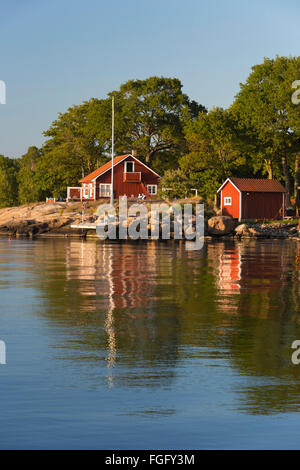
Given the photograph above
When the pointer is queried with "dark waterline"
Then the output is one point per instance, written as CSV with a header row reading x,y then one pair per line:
x,y
132,346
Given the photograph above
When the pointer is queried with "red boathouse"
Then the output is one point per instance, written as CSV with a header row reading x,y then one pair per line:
x,y
249,198
131,178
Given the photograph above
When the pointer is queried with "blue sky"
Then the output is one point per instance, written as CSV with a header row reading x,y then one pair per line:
x,y
61,52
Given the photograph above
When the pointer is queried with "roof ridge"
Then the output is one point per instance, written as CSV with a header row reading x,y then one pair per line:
x,y
107,165
103,168
257,184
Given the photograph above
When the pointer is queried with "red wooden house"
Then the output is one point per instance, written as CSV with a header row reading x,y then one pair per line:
x,y
249,198
131,178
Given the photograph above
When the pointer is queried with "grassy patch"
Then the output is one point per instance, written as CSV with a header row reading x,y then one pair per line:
x,y
270,222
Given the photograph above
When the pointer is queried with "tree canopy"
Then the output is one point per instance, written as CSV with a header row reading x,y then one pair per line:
x,y
257,136
8,181
150,117
264,111
28,178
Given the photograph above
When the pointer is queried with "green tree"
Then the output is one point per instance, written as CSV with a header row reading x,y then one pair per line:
x,y
262,108
8,181
149,117
72,150
214,150
294,116
29,189
174,184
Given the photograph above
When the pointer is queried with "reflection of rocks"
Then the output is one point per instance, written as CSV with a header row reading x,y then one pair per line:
x,y
118,281
135,314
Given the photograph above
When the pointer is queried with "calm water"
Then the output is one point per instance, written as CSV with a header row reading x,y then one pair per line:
x,y
132,346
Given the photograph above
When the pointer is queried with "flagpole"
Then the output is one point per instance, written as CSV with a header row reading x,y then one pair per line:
x,y
112,152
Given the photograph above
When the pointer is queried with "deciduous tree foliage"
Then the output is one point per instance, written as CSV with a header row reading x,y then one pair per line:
x,y
8,181
263,109
175,184
259,135
214,150
71,151
149,117
29,178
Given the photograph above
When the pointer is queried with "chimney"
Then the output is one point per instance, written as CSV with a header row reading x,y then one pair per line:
x,y
133,152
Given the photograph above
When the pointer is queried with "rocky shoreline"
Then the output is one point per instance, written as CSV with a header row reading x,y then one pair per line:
x,y
226,226
40,219
55,220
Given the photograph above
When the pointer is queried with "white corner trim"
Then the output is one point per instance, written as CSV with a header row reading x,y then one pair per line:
x,y
222,186
228,179
240,211
221,204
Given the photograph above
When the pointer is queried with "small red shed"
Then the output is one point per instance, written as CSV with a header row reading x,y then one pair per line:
x,y
250,198
131,178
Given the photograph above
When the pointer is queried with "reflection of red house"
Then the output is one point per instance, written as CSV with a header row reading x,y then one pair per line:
x,y
230,269
131,178
113,276
249,198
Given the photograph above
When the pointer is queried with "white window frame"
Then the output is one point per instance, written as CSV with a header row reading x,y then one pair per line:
x,y
227,201
125,166
106,193
150,187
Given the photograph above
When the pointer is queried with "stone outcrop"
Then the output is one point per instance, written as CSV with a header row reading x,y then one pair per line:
x,y
242,230
220,225
39,219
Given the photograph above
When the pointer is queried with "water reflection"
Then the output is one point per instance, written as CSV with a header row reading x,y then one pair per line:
x,y
107,294
156,314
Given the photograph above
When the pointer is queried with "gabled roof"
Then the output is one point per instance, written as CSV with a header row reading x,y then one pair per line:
x,y
102,169
107,167
256,185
